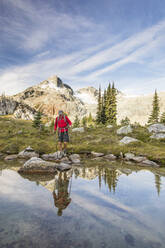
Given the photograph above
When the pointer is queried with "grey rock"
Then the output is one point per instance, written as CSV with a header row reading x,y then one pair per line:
x,y
20,132
65,160
156,128
53,156
28,153
63,166
78,129
98,158
11,157
110,157
109,126
148,162
124,130
75,158
97,154
126,140
158,136
38,165
129,156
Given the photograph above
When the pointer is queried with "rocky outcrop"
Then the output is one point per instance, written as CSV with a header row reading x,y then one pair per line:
x,y
8,106
156,128
28,153
126,140
124,130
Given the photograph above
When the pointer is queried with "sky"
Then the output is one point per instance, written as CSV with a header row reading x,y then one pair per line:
x,y
84,42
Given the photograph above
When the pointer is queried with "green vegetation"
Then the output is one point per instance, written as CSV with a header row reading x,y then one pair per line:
x,y
76,122
154,117
162,118
37,122
125,121
16,135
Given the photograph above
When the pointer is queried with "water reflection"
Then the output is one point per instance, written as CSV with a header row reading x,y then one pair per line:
x,y
61,192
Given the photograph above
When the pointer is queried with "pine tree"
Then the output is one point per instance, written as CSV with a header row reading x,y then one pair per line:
x,y
76,122
108,107
114,104
103,108
162,118
99,106
37,123
125,121
84,121
154,117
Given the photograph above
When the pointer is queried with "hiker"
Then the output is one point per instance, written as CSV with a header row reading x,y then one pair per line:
x,y
62,123
62,197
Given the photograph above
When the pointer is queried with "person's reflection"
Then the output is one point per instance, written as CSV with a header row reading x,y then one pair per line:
x,y
60,194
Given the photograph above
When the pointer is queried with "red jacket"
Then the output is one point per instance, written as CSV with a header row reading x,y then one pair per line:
x,y
61,123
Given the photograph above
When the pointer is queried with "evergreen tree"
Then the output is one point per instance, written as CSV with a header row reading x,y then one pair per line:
x,y
99,106
103,108
76,122
125,121
37,122
162,118
111,104
154,117
114,104
84,121
108,107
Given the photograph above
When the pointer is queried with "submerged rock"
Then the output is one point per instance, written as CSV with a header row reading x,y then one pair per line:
x,y
63,166
97,154
38,165
156,128
126,140
28,153
124,130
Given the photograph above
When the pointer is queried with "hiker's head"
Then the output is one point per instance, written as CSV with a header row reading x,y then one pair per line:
x,y
60,112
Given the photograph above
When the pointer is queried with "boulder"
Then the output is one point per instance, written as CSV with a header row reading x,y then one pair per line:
x,y
124,130
65,160
132,157
28,153
75,158
78,129
110,157
11,157
126,140
158,136
148,162
156,128
97,154
129,156
38,165
53,156
109,126
63,166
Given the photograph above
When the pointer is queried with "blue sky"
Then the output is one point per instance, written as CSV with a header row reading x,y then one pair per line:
x,y
84,42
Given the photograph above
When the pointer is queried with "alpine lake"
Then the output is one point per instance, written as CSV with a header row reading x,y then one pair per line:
x,y
95,205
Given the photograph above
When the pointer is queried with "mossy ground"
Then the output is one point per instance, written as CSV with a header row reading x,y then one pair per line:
x,y
16,135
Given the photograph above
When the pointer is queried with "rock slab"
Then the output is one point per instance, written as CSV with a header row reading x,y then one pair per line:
x,y
126,140
156,128
124,130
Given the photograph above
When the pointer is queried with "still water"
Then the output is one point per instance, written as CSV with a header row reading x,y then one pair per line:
x,y
96,206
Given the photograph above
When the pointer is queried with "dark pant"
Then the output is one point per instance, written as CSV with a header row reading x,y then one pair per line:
x,y
63,136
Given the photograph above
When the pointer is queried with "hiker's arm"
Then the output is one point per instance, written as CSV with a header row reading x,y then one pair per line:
x,y
68,121
55,125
